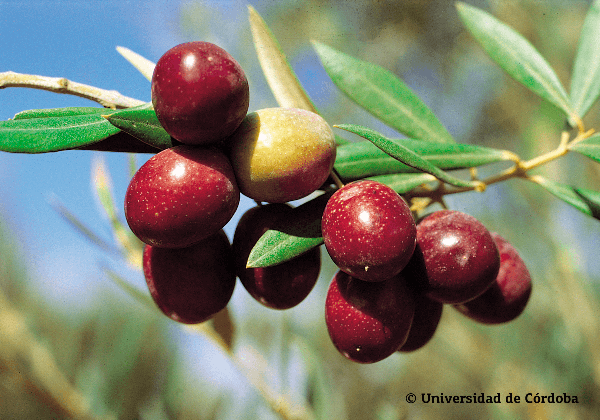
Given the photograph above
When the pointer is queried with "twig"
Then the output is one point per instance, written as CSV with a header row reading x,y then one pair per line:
x,y
106,98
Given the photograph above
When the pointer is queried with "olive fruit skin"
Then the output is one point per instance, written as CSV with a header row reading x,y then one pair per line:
x,y
428,314
282,286
199,92
456,258
192,284
506,299
368,321
368,230
181,196
281,154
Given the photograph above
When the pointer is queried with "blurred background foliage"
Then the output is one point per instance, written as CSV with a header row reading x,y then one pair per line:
x,y
120,359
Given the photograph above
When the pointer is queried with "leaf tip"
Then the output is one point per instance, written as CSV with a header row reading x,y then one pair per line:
x,y
251,263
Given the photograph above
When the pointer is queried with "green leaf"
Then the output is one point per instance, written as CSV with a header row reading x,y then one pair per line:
x,y
55,133
403,183
362,159
120,143
408,157
282,80
382,94
585,81
142,123
293,237
589,147
61,112
585,200
515,55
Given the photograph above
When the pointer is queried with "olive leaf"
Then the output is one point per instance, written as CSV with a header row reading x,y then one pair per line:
x,y
381,93
142,123
121,143
403,154
589,147
585,81
57,129
51,131
61,112
362,159
403,183
511,51
293,236
143,65
585,200
282,80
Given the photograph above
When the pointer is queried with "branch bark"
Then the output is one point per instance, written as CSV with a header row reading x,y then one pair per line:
x,y
106,98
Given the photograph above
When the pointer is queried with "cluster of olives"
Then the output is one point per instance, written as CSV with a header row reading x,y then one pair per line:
x,y
178,202
394,274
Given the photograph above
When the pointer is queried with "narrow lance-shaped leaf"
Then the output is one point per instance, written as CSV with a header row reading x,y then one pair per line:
x,y
282,80
121,142
142,123
403,183
384,95
511,51
361,159
143,65
585,81
408,157
55,133
280,75
56,129
589,147
585,200
292,237
61,112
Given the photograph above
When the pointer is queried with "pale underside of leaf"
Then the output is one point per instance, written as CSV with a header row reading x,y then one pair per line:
x,y
144,66
280,76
